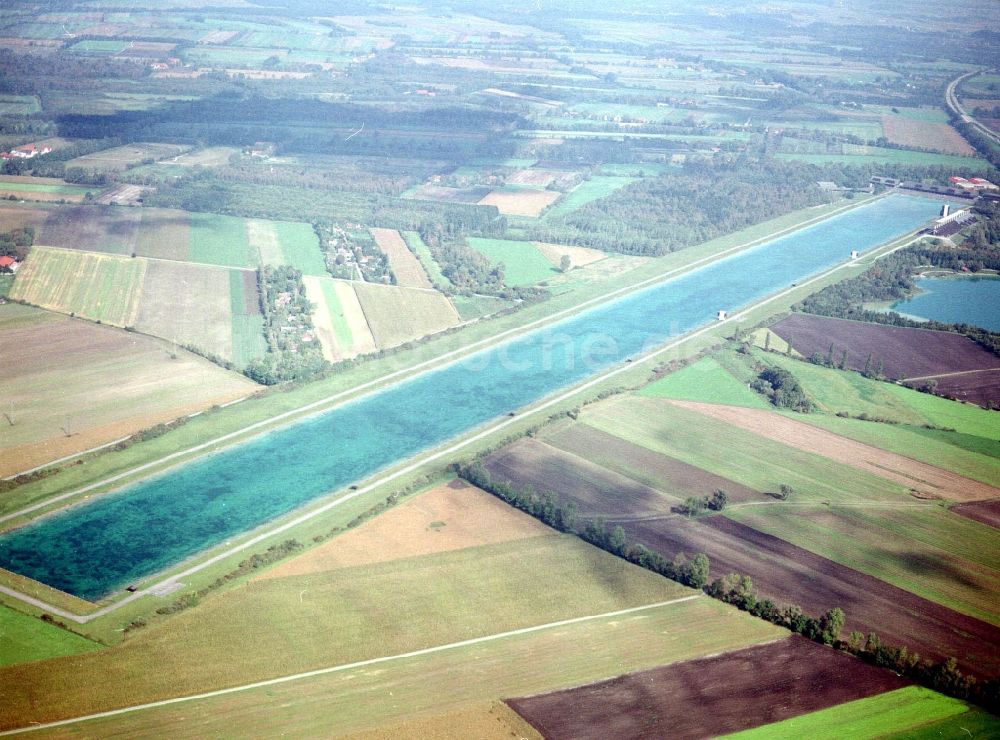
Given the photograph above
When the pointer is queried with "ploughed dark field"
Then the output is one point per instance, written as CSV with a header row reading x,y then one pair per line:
x,y
711,696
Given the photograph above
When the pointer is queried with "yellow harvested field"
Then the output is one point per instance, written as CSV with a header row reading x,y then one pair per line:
x,y
101,287
520,202
938,137
404,264
449,517
925,481
188,303
484,721
578,256
322,321
362,338
398,315
72,385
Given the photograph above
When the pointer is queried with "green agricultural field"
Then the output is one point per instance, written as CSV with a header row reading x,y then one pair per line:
x,y
221,240
875,155
300,623
300,247
120,157
972,725
248,339
19,105
756,462
63,189
427,261
897,711
397,315
24,639
6,283
99,46
705,380
101,287
341,328
248,324
974,457
844,390
928,551
475,306
440,682
850,392
586,192
523,263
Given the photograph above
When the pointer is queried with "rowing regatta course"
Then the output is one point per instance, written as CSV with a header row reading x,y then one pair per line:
x,y
93,549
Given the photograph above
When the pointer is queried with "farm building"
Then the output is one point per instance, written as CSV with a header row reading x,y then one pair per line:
x,y
262,149
8,264
27,151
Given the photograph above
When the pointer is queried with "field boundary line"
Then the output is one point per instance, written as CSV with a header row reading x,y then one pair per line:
x,y
355,665
419,460
441,361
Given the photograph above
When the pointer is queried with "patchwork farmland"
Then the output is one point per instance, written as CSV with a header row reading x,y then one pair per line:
x,y
100,287
58,401
631,460
452,550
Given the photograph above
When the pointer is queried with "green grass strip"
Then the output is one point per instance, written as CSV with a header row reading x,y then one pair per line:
x,y
707,381
24,639
902,709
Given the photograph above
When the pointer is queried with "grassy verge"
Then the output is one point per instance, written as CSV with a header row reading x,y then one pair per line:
x,y
24,639
894,711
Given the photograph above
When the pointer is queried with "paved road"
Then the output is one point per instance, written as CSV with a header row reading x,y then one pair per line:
x,y
952,101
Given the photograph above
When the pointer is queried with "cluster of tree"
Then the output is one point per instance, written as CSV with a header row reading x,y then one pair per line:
x,y
694,505
890,279
17,243
705,200
294,353
738,590
783,389
204,192
467,269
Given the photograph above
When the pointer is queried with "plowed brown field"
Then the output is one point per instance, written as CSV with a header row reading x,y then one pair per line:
x,y
596,490
450,517
709,697
985,512
790,575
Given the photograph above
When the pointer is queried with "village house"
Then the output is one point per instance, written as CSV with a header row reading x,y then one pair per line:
x,y
9,264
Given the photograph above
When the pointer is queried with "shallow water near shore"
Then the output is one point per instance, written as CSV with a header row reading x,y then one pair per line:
x,y
955,300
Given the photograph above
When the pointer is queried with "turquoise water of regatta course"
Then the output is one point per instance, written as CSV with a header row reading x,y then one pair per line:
x,y
95,548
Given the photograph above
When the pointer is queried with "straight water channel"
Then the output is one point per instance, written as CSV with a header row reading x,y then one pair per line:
x,y
94,548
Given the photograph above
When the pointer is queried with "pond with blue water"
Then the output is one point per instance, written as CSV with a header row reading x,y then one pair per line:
x,y
955,300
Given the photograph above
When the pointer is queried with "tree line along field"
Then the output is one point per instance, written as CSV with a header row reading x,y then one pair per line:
x,y
630,460
172,235
58,400
204,306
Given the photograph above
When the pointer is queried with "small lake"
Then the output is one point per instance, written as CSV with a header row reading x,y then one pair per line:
x,y
956,300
